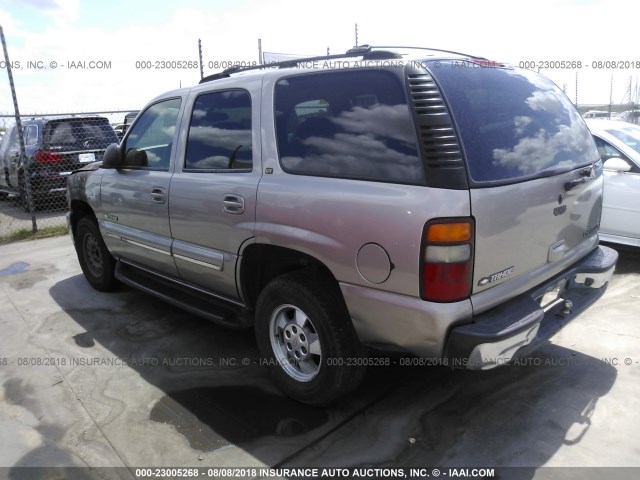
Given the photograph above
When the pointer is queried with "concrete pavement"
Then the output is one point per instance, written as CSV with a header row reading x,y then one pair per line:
x,y
90,379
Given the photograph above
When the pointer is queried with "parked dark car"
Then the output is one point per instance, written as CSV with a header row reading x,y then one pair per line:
x,y
128,120
120,128
54,147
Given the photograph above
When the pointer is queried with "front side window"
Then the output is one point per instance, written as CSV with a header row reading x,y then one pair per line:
x,y
606,150
220,133
629,134
350,124
149,143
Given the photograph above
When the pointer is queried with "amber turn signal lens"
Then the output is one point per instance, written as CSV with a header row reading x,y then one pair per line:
x,y
449,232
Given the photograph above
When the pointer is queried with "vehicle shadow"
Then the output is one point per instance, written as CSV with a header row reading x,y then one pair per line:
x,y
628,260
217,395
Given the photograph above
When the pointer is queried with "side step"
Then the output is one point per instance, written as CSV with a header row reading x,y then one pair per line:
x,y
185,297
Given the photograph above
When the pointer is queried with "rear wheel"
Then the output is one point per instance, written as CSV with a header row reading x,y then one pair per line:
x,y
306,337
95,260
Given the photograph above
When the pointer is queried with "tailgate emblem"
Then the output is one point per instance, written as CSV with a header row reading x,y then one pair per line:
x,y
559,210
495,276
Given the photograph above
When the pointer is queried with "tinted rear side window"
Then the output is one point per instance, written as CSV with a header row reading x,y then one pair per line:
x,y
220,132
79,134
351,124
513,123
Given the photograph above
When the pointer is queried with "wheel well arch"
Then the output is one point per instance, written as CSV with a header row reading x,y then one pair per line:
x,y
79,209
261,263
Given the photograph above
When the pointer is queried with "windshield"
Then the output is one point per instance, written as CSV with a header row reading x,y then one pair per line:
x,y
513,124
629,135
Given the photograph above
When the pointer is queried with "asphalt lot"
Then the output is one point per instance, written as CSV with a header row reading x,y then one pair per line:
x,y
122,380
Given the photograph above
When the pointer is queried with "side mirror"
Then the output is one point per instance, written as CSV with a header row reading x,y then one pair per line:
x,y
616,164
112,157
136,158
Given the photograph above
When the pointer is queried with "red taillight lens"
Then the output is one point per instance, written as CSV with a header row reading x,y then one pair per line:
x,y
45,157
447,260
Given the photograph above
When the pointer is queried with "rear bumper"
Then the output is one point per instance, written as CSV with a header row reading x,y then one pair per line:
x,y
49,184
522,324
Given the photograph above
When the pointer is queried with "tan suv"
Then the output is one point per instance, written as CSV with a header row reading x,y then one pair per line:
x,y
422,201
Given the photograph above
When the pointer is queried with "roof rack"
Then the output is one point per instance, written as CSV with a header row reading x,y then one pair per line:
x,y
367,52
476,57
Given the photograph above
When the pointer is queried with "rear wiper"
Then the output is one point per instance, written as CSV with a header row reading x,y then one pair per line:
x,y
586,175
552,172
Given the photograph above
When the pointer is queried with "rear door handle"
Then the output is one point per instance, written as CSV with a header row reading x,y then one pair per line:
x,y
233,204
158,195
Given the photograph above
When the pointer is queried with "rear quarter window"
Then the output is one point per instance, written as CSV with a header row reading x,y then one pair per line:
x,y
350,124
513,124
30,135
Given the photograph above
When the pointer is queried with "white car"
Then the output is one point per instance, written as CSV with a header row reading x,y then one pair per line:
x,y
619,146
596,114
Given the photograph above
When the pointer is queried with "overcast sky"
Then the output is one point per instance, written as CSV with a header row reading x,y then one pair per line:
x,y
121,33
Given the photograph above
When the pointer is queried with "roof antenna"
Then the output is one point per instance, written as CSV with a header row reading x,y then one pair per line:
x,y
356,34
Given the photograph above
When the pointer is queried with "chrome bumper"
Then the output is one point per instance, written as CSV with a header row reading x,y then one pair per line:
x,y
522,324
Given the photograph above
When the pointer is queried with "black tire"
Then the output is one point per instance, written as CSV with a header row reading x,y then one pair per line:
x,y
97,263
315,359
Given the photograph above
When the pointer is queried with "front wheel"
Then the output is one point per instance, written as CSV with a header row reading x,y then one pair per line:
x,y
306,337
95,260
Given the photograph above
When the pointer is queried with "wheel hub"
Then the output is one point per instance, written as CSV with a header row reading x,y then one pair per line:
x,y
295,343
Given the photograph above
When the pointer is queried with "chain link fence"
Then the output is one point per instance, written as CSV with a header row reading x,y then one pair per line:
x,y
33,175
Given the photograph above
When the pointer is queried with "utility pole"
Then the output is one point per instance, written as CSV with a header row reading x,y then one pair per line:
x,y
259,51
356,34
611,97
23,154
200,57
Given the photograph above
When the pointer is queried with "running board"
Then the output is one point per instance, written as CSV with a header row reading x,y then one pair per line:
x,y
191,300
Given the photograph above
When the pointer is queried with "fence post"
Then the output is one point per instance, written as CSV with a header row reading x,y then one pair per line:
x,y
23,155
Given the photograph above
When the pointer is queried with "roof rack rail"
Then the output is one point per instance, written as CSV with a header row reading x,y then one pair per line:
x,y
434,50
367,52
364,51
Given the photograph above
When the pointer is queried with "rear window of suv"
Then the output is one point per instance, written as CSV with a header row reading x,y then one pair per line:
x,y
350,124
79,134
513,124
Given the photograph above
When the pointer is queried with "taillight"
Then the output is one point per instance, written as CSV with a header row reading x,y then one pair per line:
x,y
447,260
46,157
